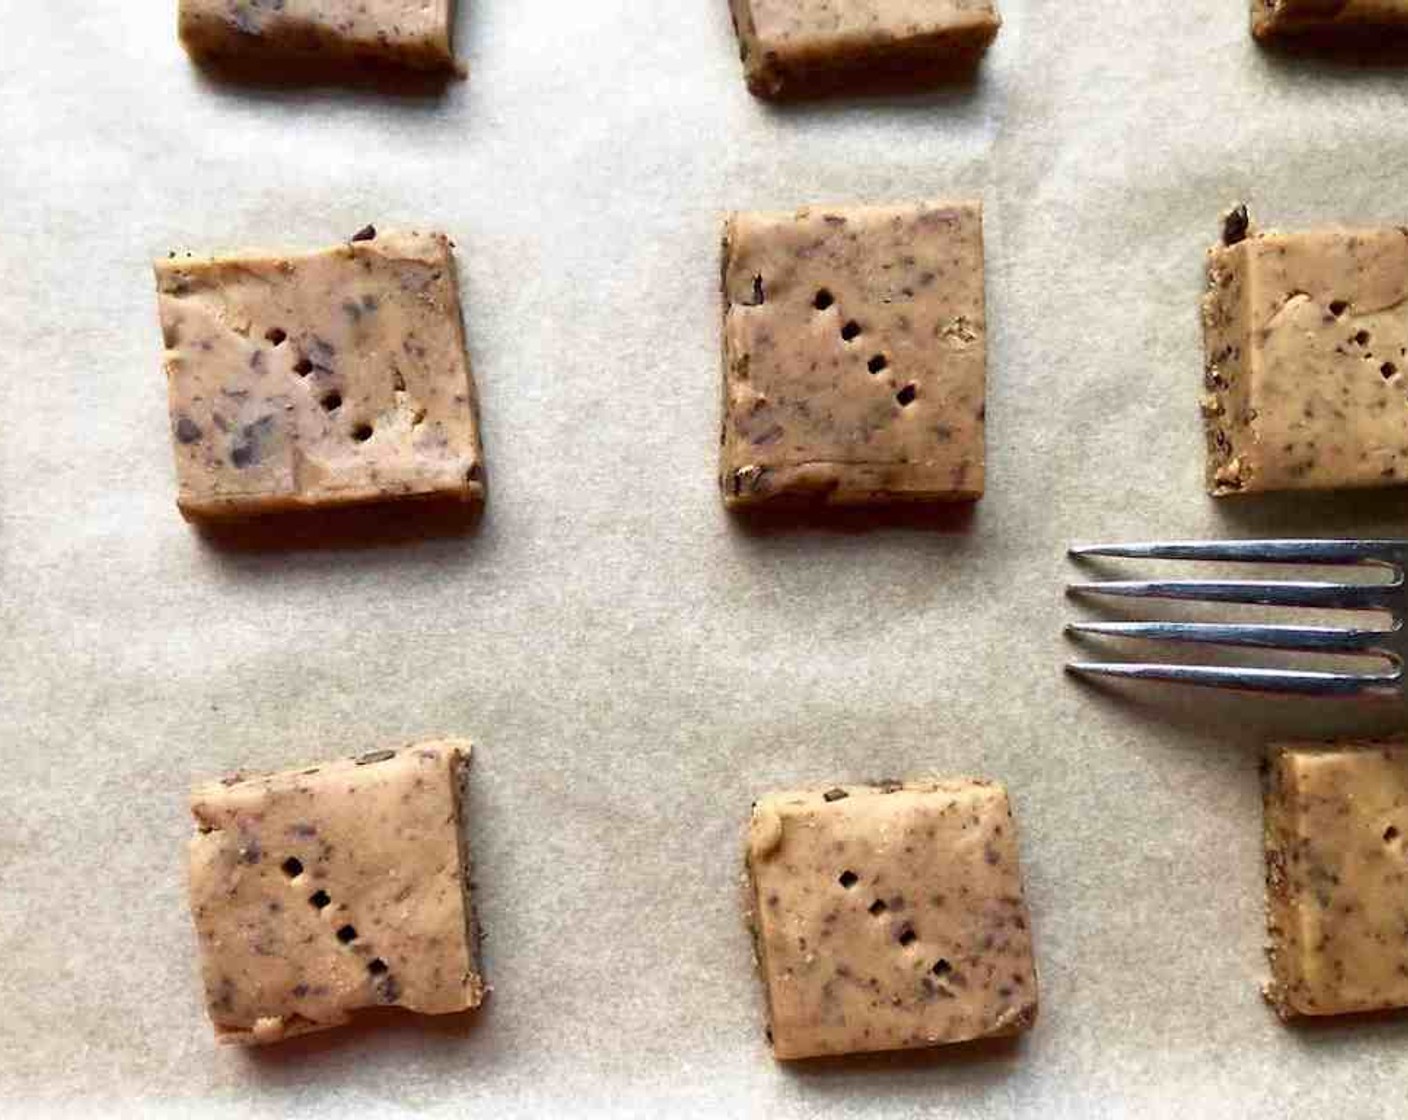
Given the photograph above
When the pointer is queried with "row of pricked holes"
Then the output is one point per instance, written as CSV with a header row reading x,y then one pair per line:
x,y
907,937
878,363
331,402
1337,308
320,900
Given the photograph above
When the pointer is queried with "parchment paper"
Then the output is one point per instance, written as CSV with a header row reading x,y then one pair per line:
x,y
633,666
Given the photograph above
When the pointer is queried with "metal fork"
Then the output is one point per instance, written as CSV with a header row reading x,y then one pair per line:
x,y
1390,644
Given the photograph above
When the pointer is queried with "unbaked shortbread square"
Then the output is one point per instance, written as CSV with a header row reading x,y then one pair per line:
x,y
1306,338
803,46
854,355
889,917
322,891
1274,18
1337,878
412,33
319,379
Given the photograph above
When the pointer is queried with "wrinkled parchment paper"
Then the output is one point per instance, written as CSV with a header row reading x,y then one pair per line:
x,y
633,666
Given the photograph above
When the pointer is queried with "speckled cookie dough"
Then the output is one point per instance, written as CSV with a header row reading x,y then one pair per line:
x,y
889,917
1337,877
1273,18
322,379
319,892
854,355
1306,338
411,33
792,47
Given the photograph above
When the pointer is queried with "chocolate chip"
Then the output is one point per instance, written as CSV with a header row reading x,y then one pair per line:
x,y
187,430
246,450
387,990
366,233
835,795
1235,224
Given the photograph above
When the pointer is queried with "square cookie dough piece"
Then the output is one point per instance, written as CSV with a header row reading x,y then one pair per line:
x,y
792,47
890,917
319,892
1306,340
1273,18
1337,877
412,33
854,355
319,379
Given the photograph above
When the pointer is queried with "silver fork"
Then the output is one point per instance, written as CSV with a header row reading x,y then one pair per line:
x,y
1390,644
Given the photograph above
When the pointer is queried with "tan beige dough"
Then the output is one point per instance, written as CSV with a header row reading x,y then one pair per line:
x,y
413,33
320,379
889,917
322,891
854,355
1337,878
1306,338
1272,18
800,46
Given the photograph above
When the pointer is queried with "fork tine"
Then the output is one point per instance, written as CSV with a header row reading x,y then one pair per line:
x,y
1274,593
1285,681
1322,639
1266,551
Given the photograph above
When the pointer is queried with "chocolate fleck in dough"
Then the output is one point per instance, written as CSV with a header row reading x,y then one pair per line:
x,y
854,355
322,891
1273,18
1337,877
1306,338
329,378
413,33
801,46
889,918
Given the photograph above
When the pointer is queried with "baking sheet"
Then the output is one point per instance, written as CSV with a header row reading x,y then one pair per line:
x,y
633,666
